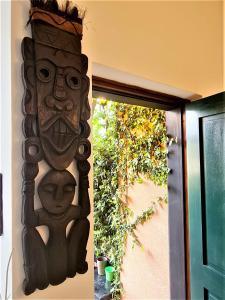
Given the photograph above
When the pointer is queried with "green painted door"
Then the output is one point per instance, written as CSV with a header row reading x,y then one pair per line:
x,y
205,123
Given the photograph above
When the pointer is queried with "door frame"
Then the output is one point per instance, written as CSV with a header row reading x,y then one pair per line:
x,y
178,207
177,204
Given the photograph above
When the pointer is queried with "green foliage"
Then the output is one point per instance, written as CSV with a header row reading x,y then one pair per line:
x,y
129,144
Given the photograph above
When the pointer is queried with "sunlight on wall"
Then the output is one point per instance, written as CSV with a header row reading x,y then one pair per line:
x,y
146,271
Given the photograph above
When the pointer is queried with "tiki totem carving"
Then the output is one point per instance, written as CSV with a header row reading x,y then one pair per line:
x,y
56,130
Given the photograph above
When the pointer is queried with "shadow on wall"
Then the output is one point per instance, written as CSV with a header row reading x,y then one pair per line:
x,y
146,270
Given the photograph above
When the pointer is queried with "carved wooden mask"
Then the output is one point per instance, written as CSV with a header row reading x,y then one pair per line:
x,y
55,126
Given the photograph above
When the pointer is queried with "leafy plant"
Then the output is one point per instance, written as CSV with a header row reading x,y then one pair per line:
x,y
129,144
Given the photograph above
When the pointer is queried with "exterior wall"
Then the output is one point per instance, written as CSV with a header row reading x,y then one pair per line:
x,y
146,270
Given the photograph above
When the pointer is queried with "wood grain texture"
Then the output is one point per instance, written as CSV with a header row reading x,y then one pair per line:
x,y
56,112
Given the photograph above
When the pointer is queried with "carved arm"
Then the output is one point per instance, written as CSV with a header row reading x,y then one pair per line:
x,y
29,217
84,200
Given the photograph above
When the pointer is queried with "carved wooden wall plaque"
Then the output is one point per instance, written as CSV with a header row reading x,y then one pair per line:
x,y
56,130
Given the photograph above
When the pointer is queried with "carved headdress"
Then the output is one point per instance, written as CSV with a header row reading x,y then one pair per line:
x,y
67,18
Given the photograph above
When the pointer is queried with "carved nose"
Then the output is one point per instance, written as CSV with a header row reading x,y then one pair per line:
x,y
59,91
59,194
60,94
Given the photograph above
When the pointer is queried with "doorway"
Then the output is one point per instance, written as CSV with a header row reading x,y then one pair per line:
x,y
176,202
130,198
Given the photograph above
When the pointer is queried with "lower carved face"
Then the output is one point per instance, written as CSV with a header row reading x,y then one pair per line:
x,y
58,76
56,191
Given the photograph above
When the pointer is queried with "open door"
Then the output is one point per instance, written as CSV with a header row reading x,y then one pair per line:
x,y
205,127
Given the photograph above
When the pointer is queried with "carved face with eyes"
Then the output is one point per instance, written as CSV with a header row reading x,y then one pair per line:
x,y
56,191
58,76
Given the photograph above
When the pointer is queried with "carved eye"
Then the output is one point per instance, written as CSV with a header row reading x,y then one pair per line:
x,y
44,74
49,188
44,71
73,81
69,188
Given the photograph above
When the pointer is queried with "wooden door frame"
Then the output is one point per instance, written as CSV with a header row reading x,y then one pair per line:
x,y
178,209
178,227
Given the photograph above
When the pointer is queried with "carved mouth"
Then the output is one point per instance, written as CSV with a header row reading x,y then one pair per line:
x,y
60,135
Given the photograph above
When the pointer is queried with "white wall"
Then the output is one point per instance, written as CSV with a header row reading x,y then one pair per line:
x,y
224,45
5,134
178,43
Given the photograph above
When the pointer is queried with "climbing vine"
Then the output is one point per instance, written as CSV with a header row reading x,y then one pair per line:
x,y
129,144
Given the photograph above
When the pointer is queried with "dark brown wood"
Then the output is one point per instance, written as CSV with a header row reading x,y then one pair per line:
x,y
59,258
156,99
56,110
176,207
1,207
